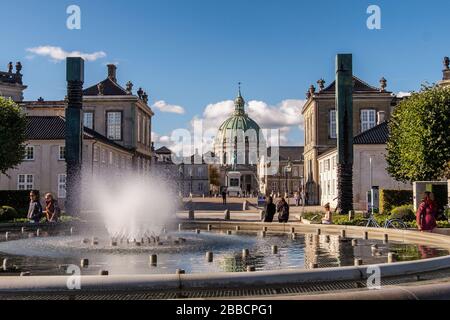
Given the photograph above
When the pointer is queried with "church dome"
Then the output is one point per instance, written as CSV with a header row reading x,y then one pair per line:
x,y
235,128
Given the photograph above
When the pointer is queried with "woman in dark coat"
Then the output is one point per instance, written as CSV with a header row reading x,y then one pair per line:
x,y
35,208
283,211
269,210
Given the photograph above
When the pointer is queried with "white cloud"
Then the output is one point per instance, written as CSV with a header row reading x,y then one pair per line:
x,y
59,54
166,107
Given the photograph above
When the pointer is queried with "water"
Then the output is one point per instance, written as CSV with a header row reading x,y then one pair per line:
x,y
49,255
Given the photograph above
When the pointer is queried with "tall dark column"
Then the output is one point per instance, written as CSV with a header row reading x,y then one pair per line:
x,y
74,133
344,108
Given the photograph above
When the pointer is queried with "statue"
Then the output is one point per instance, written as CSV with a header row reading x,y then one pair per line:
x,y
10,67
312,90
145,97
140,92
129,87
18,67
321,84
383,84
447,63
100,88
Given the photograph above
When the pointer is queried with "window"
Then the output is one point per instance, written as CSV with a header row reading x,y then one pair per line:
x,y
327,165
103,155
95,153
62,153
61,186
114,125
25,182
368,119
274,186
111,158
200,186
200,172
29,153
332,125
234,182
88,120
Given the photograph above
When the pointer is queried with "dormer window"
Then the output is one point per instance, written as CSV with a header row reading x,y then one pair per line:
x,y
114,125
368,119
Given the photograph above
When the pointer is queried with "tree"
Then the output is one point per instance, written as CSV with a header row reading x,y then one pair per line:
x,y
13,124
419,144
214,176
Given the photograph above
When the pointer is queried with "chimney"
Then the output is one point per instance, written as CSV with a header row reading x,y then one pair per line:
x,y
446,71
112,72
381,115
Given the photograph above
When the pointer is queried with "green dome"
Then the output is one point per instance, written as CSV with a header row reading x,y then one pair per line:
x,y
237,124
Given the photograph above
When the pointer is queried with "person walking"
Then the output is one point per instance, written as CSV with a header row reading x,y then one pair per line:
x,y
269,210
52,210
35,208
224,196
297,199
426,214
283,211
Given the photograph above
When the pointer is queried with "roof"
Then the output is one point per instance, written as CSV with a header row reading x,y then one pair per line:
x,y
54,128
163,150
359,86
293,153
110,88
376,135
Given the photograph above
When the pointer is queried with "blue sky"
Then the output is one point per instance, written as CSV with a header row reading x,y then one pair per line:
x,y
192,53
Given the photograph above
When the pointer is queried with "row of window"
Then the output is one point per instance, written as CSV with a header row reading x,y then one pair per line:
x,y
328,164
276,187
368,120
26,182
30,153
328,188
113,123
200,171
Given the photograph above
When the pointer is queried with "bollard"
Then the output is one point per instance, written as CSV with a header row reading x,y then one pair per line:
x,y
84,263
354,242
6,236
245,253
103,272
209,228
366,235
262,215
38,232
229,233
238,228
197,231
358,262
274,249
180,271
391,257
251,269
386,238
343,234
318,232
113,243
293,236
22,230
327,239
180,226
264,229
313,265
227,214
25,274
263,234
209,256
5,265
71,231
191,214
292,230
154,260
245,205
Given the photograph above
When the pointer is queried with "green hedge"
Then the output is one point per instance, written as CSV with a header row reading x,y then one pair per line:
x,y
8,214
389,199
405,213
18,199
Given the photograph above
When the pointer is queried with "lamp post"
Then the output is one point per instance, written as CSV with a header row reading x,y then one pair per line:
x,y
190,185
287,170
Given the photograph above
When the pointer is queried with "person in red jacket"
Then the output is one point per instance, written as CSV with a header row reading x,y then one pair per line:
x,y
426,214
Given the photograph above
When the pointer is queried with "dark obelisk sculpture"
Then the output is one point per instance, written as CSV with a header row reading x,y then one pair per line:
x,y
74,133
344,109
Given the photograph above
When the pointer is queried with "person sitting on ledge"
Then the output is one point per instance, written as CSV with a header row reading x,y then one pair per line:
x,y
52,210
328,218
426,214
35,208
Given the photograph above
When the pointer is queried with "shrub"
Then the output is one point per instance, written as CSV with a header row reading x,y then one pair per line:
x,y
405,213
8,214
390,199
18,199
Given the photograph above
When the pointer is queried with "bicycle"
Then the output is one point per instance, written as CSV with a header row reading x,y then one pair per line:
x,y
388,223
